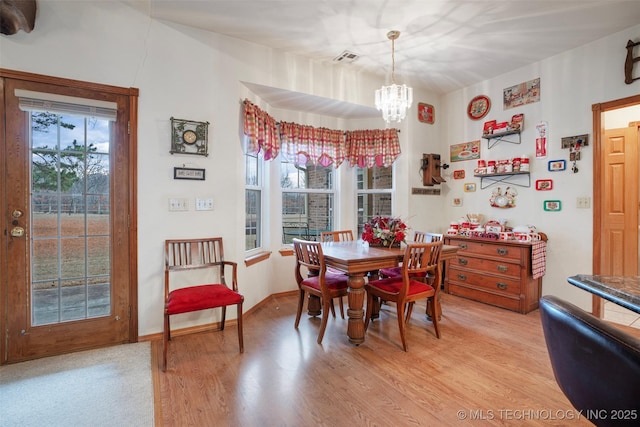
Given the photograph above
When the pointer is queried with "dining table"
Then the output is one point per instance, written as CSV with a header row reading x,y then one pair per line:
x,y
621,290
357,258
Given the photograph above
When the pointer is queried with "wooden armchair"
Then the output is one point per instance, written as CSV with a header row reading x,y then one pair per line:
x,y
420,259
336,236
418,237
192,254
319,283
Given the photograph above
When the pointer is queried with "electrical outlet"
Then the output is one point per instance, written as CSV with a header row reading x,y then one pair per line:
x,y
583,202
178,205
204,204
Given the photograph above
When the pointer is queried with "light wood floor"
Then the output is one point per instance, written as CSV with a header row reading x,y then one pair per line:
x,y
489,368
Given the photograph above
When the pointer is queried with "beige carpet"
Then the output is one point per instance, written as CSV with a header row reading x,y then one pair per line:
x,y
104,387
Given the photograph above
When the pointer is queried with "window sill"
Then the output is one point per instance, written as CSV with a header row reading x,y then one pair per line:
x,y
286,251
256,258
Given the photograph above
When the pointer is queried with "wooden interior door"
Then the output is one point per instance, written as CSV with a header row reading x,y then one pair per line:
x,y
68,236
620,202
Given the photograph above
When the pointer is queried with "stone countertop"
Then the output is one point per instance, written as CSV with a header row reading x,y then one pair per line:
x,y
622,290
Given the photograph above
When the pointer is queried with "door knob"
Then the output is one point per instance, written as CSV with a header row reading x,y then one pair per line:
x,y
17,232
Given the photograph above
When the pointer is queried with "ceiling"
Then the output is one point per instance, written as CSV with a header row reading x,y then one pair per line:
x,y
444,44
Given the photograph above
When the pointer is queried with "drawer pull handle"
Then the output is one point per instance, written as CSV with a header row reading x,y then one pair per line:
x,y
462,276
462,246
502,251
503,268
462,261
501,285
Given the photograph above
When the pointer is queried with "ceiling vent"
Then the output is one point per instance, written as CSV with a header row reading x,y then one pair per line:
x,y
346,57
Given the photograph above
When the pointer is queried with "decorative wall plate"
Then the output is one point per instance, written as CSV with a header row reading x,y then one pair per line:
x,y
478,107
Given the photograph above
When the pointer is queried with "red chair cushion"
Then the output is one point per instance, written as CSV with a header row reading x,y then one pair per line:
x,y
392,285
391,272
201,297
333,281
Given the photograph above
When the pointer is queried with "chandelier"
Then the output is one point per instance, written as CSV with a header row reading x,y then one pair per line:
x,y
394,100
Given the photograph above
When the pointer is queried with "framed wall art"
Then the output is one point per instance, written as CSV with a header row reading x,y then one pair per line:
x,y
469,187
544,184
557,165
521,94
465,151
426,113
552,205
458,174
188,173
189,137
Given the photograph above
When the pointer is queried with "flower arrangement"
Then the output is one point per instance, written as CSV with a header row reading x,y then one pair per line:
x,y
384,231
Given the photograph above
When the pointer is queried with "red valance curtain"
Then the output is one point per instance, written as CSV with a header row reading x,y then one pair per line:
x,y
261,131
309,145
369,148
318,146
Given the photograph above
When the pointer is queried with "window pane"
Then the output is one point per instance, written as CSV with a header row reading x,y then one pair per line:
x,y
305,177
253,235
372,204
306,215
376,178
251,169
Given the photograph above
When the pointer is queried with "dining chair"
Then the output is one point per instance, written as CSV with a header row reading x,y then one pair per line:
x,y
336,236
419,260
319,282
206,254
418,237
596,365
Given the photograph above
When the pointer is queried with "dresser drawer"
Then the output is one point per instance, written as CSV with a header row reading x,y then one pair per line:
x,y
493,249
487,282
505,268
503,301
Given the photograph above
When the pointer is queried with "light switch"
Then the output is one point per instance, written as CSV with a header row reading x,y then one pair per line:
x,y
583,202
204,204
176,204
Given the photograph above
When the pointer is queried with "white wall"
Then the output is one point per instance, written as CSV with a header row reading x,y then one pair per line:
x,y
193,74
570,83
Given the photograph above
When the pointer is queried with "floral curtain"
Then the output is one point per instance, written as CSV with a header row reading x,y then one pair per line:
x,y
368,148
261,131
309,145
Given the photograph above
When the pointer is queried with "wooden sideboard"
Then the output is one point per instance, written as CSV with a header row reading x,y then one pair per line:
x,y
496,272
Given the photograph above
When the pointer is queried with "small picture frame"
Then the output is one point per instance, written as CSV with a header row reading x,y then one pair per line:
x,y
552,205
557,165
469,187
188,173
426,113
544,184
458,174
456,202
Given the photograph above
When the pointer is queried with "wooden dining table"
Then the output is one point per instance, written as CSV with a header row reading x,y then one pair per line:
x,y
356,259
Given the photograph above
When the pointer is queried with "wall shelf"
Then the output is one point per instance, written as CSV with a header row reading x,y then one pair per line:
x,y
510,136
512,178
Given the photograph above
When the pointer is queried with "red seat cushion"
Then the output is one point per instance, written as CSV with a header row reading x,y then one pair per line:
x,y
391,272
333,281
201,297
392,285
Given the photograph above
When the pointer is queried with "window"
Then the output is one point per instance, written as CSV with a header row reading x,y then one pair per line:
x,y
307,200
374,191
253,202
